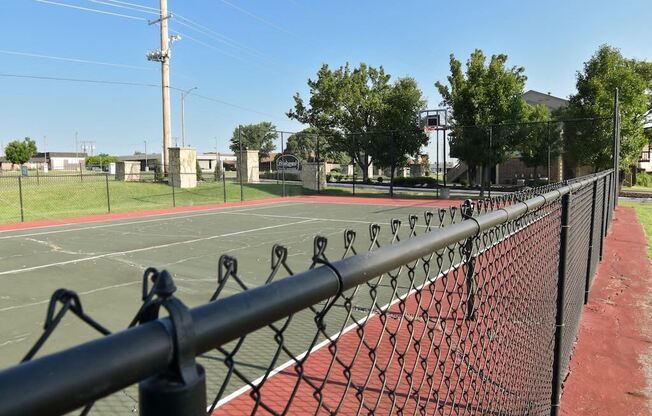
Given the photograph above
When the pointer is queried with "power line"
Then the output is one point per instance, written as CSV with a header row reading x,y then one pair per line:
x,y
207,45
216,35
133,84
83,80
123,7
259,18
76,60
126,16
136,5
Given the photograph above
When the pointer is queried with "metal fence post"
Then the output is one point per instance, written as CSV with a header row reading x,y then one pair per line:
x,y
469,261
603,222
557,368
224,184
20,196
108,195
589,260
174,197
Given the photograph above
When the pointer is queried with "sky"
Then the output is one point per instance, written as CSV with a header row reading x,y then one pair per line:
x,y
248,58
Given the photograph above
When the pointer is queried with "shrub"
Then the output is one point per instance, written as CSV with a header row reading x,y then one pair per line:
x,y
339,178
328,177
643,179
379,179
415,181
158,171
464,182
198,170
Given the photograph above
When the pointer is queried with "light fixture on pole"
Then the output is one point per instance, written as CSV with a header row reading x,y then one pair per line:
x,y
184,94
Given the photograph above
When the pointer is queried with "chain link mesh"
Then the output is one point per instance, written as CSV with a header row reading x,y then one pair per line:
x,y
467,329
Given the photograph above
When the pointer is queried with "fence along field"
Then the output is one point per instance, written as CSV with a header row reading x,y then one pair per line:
x,y
476,312
68,195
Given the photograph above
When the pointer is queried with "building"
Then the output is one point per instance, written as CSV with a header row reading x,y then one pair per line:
x,y
208,160
52,161
146,160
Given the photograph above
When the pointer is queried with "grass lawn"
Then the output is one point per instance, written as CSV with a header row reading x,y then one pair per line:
x,y
69,197
49,197
637,188
644,212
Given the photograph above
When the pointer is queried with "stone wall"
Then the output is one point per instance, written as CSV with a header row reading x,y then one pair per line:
x,y
183,167
313,173
248,167
127,171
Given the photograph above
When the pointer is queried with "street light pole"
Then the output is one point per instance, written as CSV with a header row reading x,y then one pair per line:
x,y
183,115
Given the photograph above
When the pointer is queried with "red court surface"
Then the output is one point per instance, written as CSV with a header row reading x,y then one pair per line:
x,y
162,211
611,369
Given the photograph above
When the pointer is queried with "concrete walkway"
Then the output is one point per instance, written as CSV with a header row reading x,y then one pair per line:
x,y
611,368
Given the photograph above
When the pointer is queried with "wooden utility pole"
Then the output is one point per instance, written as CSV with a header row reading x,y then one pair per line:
x,y
165,84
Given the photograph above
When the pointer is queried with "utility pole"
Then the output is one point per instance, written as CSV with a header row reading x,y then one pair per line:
x,y
184,94
163,56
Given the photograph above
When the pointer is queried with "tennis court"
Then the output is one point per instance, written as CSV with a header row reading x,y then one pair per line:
x,y
103,261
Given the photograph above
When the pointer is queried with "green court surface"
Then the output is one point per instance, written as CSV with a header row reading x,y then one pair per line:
x,y
104,262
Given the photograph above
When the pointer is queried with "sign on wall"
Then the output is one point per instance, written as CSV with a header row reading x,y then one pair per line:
x,y
287,162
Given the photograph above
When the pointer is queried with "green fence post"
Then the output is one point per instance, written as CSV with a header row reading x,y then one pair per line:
x,y
108,195
20,196
557,366
174,199
224,184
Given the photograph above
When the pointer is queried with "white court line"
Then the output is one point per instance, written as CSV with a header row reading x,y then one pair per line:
x,y
214,211
88,292
137,250
325,342
317,219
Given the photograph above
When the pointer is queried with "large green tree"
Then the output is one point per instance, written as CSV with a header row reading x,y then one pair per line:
x,y
482,95
19,152
347,106
259,137
590,143
401,134
303,145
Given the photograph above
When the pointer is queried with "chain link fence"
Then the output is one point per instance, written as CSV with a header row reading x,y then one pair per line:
x,y
468,310
59,195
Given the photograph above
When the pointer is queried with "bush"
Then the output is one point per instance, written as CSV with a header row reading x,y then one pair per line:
x,y
415,181
464,182
336,170
198,170
379,179
279,176
158,172
340,177
643,179
328,177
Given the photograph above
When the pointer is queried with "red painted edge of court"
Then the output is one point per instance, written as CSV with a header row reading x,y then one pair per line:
x,y
192,208
611,368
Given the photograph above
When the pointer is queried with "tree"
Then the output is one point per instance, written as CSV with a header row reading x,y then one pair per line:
x,y
198,171
304,146
259,137
18,152
590,143
345,105
101,159
158,171
217,173
399,117
484,95
539,140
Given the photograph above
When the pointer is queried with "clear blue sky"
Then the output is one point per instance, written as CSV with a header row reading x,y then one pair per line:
x,y
272,47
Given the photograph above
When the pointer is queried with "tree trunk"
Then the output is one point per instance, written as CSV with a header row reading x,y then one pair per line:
x,y
365,169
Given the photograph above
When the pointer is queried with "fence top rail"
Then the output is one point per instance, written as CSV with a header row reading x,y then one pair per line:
x,y
66,380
